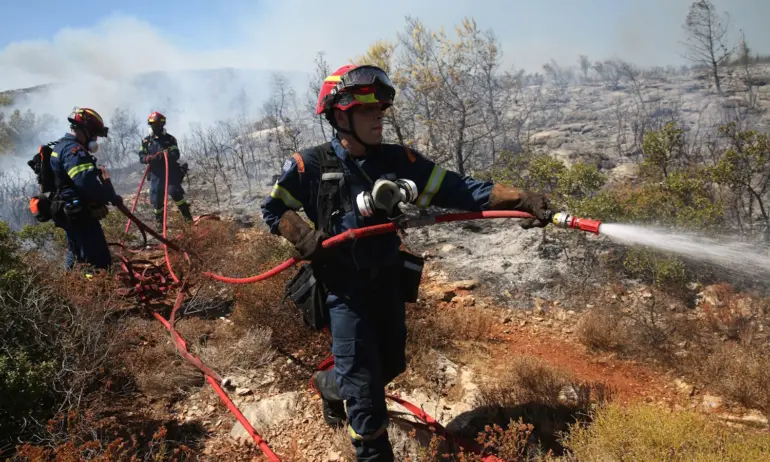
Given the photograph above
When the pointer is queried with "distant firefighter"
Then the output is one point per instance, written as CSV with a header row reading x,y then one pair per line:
x,y
151,153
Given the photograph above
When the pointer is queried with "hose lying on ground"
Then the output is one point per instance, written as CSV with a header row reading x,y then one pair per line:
x,y
154,279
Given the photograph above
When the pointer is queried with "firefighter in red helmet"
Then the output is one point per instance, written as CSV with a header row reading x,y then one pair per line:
x,y
353,181
151,152
81,195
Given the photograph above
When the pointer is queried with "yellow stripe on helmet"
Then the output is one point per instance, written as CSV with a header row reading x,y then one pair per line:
x,y
366,99
93,113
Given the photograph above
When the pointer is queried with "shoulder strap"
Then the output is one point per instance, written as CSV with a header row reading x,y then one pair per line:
x,y
332,193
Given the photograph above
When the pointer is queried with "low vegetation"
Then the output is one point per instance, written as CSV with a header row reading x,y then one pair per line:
x,y
86,373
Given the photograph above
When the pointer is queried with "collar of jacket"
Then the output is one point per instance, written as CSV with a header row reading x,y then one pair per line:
x,y
74,139
343,153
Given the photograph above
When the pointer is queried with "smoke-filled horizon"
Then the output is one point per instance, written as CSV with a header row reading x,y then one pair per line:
x,y
200,65
103,57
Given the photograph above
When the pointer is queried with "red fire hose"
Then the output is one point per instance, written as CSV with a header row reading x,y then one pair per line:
x,y
152,282
211,376
560,219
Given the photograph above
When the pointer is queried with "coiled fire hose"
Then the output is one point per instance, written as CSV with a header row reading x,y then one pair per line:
x,y
559,219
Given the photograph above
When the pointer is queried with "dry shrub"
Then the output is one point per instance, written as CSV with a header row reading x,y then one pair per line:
x,y
232,350
645,322
259,304
195,331
114,226
741,373
88,436
340,442
602,329
512,443
649,433
736,316
431,331
57,336
722,343
152,360
469,324
533,392
527,380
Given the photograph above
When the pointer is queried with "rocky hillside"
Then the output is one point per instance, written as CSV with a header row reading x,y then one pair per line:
x,y
601,122
596,124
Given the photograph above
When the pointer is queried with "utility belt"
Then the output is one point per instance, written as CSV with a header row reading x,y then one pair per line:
x,y
65,212
309,293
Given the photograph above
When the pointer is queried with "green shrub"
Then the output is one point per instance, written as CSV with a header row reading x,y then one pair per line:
x,y
670,191
648,433
54,334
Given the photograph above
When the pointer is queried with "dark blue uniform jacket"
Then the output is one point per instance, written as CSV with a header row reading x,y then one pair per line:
x,y
76,172
297,188
151,145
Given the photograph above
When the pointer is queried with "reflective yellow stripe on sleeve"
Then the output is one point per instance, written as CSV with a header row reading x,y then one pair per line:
x,y
74,171
432,187
285,196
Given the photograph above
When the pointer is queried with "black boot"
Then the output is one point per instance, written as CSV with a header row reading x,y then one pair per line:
x,y
184,209
333,405
159,226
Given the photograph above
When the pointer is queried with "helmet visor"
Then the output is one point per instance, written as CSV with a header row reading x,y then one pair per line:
x,y
373,94
365,76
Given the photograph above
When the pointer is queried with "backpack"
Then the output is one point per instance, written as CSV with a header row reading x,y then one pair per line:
x,y
304,289
41,165
40,205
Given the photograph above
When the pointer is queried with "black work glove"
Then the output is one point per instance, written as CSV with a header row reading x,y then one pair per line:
x,y
99,211
537,205
116,201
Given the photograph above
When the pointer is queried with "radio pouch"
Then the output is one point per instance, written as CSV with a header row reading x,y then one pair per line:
x,y
309,296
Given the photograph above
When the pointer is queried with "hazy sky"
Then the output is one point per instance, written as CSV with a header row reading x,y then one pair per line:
x,y
49,40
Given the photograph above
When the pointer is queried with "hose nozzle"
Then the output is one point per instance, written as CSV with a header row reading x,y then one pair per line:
x,y
565,220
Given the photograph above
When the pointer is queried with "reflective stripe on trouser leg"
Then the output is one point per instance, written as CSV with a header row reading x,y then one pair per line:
x,y
358,370
370,437
176,191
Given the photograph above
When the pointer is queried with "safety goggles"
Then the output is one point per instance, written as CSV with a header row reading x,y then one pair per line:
x,y
365,95
364,76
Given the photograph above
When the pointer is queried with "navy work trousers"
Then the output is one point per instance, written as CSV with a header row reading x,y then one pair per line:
x,y
157,189
86,244
368,327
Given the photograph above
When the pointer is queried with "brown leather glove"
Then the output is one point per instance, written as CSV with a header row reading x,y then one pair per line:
x,y
306,240
507,198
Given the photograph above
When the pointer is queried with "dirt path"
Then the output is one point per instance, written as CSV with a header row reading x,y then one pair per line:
x,y
629,380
